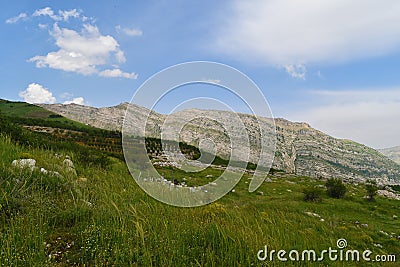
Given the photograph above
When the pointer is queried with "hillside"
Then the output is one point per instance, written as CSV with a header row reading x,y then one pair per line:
x,y
392,153
301,150
90,212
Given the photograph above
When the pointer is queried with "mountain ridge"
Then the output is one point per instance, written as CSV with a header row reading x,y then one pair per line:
x,y
392,152
300,149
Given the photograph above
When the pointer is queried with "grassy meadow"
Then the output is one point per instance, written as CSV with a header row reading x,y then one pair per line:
x,y
100,217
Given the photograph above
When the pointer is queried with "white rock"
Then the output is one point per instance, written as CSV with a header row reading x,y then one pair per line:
x,y
388,194
25,163
68,163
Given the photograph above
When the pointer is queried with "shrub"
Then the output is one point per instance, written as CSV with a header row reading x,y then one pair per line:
x,y
335,188
312,194
371,189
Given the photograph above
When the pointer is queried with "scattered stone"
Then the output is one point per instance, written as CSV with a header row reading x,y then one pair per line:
x,y
260,193
69,166
383,232
364,225
388,194
25,163
43,170
377,245
312,214
268,180
67,162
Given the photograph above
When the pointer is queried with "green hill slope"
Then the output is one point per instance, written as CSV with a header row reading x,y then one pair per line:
x,y
97,215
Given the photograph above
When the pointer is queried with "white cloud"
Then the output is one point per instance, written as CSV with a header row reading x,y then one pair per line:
x,y
366,116
63,15
80,52
16,18
285,32
77,100
42,26
47,11
128,31
36,93
296,70
118,73
66,95
66,14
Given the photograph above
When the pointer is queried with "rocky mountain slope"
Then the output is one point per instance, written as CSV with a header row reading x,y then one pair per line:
x,y
393,153
300,149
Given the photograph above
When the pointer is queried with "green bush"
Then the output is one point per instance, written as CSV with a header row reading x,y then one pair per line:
x,y
335,188
371,189
312,194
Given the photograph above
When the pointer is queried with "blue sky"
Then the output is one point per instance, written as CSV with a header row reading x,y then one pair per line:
x,y
334,65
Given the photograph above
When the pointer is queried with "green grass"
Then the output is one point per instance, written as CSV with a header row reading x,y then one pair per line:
x,y
102,218
29,114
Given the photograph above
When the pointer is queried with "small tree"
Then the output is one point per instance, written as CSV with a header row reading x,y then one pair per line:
x,y
335,188
312,194
371,189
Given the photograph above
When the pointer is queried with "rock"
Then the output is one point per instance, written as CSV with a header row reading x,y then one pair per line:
x,y
67,162
43,170
268,180
312,214
388,194
25,163
69,166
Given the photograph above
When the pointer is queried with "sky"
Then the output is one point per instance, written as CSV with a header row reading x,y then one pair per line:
x,y
334,64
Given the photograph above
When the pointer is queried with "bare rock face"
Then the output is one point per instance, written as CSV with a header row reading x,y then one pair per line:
x,y
393,153
300,149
